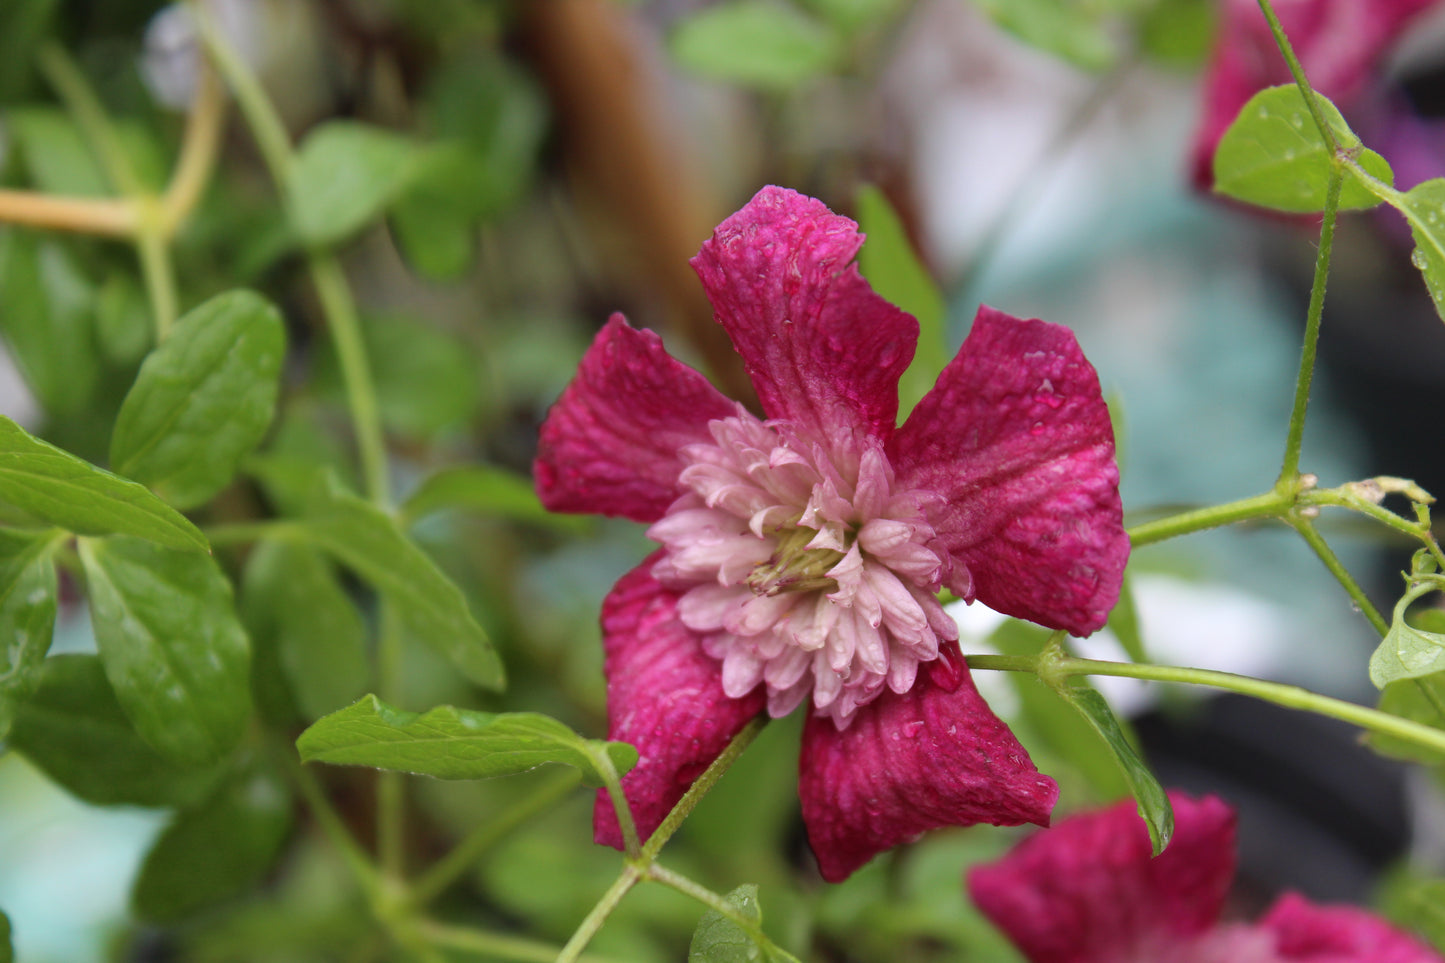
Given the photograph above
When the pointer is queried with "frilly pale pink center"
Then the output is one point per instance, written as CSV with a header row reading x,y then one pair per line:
x,y
809,571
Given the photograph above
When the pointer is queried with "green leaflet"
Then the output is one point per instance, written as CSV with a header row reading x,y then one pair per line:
x,y
1154,805
203,399
73,729
172,646
451,743
61,490
1273,156
344,174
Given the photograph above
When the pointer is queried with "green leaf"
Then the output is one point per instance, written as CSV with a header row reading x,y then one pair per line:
x,y
1064,28
1273,156
344,174
27,616
216,851
56,155
123,319
451,743
891,265
854,14
1124,623
1424,207
367,541
718,939
1408,652
22,27
1178,33
435,238
74,730
7,951
1417,904
172,647
59,489
1154,806
47,321
203,399
486,489
1419,700
1049,722
756,43
290,599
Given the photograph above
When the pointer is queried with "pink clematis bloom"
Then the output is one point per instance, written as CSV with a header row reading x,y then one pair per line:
x,y
801,554
1087,891
1338,42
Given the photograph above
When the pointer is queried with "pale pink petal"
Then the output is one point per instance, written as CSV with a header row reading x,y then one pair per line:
x,y
1340,43
1309,933
936,756
664,696
822,349
1016,438
610,443
1088,891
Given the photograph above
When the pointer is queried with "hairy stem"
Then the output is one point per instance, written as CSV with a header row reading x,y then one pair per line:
x,y
495,945
1297,72
1289,471
1342,575
572,952
465,854
714,902
1272,504
700,787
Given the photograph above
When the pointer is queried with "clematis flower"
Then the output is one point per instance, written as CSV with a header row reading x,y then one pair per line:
x,y
1087,891
802,552
1338,42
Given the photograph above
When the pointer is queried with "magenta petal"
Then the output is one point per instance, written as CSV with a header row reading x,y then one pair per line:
x,y
1016,438
1338,934
1339,43
609,444
664,696
823,350
1087,891
935,756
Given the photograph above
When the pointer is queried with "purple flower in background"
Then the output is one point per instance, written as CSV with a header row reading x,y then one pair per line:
x,y
1340,43
801,554
1087,891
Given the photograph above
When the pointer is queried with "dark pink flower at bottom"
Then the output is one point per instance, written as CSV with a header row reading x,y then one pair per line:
x,y
1088,891
1339,43
802,553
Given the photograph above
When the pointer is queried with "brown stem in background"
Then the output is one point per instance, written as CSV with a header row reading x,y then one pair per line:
x,y
625,162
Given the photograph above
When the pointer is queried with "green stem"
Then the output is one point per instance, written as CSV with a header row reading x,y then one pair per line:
x,y
82,103
495,945
465,854
390,785
572,952
345,325
613,783
335,830
1272,504
714,902
1342,575
335,294
156,268
1297,72
673,821
1289,472
261,115
1289,696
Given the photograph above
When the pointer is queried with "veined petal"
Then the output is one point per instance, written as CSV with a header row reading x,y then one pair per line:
x,y
665,696
823,350
1016,438
936,756
1088,891
1338,934
610,443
